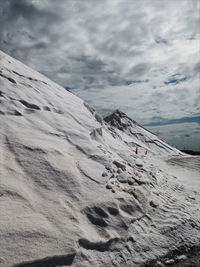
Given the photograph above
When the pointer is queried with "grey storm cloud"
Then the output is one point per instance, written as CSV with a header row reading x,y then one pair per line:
x,y
104,50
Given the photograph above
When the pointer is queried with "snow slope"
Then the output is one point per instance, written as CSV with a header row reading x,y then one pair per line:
x,y
72,190
140,137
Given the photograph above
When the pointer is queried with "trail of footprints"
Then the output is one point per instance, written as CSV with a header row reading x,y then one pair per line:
x,y
137,215
121,214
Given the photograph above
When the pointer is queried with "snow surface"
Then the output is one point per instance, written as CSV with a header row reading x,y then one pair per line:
x,y
72,189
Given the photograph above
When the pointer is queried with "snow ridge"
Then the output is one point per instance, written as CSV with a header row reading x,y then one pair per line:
x,y
73,192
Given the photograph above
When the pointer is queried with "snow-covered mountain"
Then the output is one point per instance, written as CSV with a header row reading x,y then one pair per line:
x,y
73,192
137,136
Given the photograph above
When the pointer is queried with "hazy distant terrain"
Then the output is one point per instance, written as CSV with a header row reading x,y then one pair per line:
x,y
181,135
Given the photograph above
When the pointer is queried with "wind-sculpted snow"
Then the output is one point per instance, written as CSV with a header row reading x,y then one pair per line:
x,y
74,192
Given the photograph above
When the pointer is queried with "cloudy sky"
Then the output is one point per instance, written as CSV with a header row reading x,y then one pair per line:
x,y
141,56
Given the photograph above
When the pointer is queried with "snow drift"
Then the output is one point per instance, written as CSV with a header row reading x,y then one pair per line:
x,y
73,191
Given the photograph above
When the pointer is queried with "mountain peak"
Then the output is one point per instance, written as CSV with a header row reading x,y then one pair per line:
x,y
118,119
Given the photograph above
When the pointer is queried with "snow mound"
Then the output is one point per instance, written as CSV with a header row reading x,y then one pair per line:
x,y
73,192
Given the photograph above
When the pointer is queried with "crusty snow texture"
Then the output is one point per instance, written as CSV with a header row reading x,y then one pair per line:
x,y
73,192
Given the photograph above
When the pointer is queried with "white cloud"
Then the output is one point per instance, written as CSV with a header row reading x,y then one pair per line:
x,y
101,47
